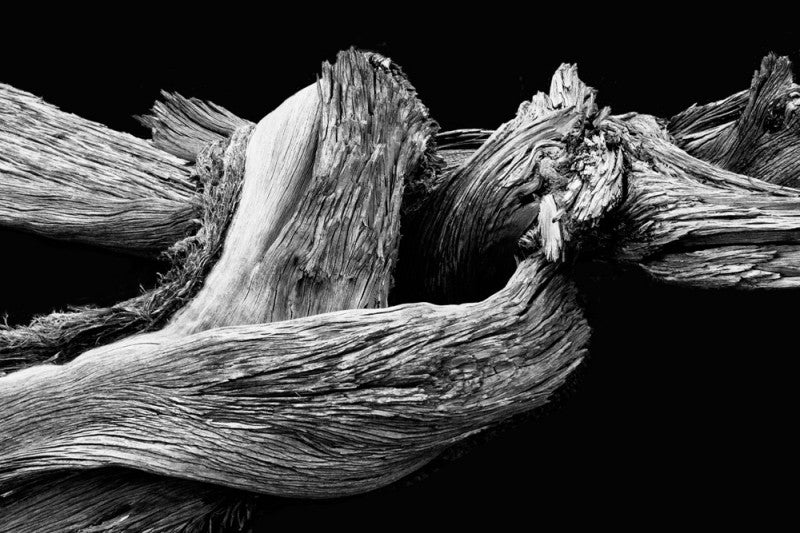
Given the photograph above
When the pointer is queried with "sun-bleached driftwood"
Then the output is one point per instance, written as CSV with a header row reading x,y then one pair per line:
x,y
185,126
60,337
326,405
754,132
244,385
327,176
68,178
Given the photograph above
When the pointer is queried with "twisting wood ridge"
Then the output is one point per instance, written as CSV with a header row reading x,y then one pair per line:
x,y
267,360
333,404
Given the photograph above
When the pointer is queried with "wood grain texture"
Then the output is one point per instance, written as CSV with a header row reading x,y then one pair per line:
x,y
318,225
60,337
754,132
185,126
325,405
620,190
679,209
68,178
325,172
115,500
473,219
286,373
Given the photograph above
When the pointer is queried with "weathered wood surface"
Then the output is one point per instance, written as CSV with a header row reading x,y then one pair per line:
x,y
115,500
471,223
330,164
678,210
240,391
65,177
689,222
185,126
326,405
754,132
318,225
62,336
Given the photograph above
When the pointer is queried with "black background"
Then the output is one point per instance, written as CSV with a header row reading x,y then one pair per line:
x,y
685,410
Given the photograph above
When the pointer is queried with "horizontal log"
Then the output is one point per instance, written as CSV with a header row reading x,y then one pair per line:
x,y
321,406
627,194
68,178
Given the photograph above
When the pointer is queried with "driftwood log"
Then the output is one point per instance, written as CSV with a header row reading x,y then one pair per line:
x,y
267,360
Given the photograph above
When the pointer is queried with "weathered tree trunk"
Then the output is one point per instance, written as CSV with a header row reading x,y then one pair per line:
x,y
258,365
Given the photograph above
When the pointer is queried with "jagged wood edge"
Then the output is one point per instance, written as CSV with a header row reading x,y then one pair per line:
x,y
734,183
59,337
216,506
68,178
754,132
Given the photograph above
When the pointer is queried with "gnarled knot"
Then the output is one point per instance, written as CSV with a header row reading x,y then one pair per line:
x,y
591,186
782,112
